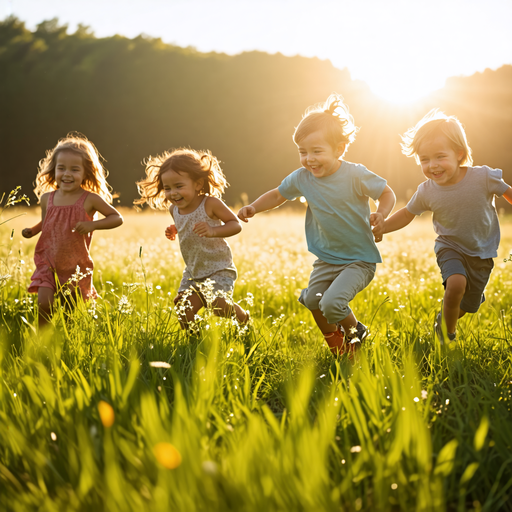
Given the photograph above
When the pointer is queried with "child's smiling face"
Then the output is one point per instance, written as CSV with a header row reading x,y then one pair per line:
x,y
69,171
440,162
318,156
182,191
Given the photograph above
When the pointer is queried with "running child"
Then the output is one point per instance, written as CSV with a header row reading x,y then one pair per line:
x,y
338,220
190,184
461,198
71,186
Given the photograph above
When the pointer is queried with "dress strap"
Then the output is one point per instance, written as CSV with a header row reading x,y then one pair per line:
x,y
50,199
81,199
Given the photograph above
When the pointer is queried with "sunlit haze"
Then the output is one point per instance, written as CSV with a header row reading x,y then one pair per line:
x,y
402,49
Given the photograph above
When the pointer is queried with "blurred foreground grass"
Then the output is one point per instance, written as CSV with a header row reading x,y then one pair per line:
x,y
115,409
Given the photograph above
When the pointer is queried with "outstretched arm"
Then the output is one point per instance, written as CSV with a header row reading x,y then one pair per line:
x,y
34,230
268,201
112,219
217,209
387,201
398,220
508,195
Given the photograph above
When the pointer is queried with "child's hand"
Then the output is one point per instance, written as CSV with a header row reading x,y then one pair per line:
x,y
204,229
82,228
377,221
171,232
246,213
27,233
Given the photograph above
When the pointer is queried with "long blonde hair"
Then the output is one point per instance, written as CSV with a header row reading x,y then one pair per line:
x,y
199,165
95,179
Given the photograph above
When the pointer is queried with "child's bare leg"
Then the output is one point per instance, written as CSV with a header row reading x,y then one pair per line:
x,y
455,288
225,309
334,338
322,322
349,324
188,309
45,297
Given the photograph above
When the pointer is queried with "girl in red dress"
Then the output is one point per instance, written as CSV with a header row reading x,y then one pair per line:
x,y
71,186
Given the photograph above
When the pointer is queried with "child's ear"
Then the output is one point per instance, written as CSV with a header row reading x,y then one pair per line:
x,y
461,155
200,184
341,149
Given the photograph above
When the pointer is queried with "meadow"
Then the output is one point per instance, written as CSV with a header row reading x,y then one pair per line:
x,y
114,408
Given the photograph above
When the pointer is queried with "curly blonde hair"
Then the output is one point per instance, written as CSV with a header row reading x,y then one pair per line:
x,y
432,125
199,165
333,118
95,179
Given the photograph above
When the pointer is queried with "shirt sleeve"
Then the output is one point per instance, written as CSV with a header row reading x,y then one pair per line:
x,y
289,187
417,204
495,183
371,184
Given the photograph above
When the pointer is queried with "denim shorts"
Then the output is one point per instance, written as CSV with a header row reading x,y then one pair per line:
x,y
476,270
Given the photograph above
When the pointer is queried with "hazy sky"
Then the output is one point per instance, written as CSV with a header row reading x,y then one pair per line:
x,y
401,48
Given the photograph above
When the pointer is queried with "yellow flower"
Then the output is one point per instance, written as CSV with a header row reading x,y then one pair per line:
x,y
167,455
107,415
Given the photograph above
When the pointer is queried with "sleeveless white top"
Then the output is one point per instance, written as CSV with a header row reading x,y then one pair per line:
x,y
203,256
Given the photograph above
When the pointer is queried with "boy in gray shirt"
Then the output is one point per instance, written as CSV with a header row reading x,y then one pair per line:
x,y
461,198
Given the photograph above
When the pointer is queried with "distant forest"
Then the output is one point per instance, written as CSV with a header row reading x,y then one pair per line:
x,y
137,97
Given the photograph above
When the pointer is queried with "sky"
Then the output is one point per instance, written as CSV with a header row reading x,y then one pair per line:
x,y
403,49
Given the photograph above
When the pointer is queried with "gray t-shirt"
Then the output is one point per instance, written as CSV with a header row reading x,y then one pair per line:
x,y
464,215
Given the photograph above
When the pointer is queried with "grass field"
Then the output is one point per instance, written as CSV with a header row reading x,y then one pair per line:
x,y
256,420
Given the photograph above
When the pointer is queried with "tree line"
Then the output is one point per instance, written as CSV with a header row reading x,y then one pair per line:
x,y
137,97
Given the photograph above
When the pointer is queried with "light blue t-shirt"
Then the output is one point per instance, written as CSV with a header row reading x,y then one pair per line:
x,y
338,216
464,215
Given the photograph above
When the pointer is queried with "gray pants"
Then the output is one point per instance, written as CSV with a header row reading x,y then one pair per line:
x,y
332,287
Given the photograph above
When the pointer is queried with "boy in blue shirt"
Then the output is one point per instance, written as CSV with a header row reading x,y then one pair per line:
x,y
338,220
461,198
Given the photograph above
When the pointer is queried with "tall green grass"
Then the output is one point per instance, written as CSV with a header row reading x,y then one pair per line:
x,y
264,418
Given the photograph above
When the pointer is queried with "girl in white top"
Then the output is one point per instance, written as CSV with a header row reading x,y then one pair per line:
x,y
190,183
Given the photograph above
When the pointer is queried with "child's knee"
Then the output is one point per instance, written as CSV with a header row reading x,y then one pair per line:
x,y
310,300
456,285
334,311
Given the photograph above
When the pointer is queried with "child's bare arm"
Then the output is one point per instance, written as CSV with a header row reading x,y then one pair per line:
x,y
215,208
387,201
112,219
508,195
398,220
171,231
34,230
268,201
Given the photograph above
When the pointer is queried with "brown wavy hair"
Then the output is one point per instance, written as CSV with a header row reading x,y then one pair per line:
x,y
95,179
199,165
333,118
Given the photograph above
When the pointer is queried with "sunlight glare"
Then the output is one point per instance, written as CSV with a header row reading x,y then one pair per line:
x,y
402,88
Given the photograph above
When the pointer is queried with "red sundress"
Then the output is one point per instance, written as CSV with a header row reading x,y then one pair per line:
x,y
59,250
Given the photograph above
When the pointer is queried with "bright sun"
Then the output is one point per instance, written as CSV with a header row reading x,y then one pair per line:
x,y
402,87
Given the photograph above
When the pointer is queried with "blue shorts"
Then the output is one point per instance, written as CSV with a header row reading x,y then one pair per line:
x,y
476,270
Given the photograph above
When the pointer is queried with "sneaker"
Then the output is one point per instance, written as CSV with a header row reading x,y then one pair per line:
x,y
360,333
353,342
438,328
